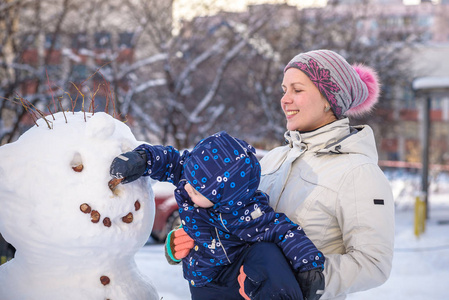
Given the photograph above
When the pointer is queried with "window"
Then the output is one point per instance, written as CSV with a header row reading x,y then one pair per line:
x,y
52,40
125,39
79,41
79,72
102,40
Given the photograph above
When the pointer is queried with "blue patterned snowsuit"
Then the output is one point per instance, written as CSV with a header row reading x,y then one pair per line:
x,y
241,214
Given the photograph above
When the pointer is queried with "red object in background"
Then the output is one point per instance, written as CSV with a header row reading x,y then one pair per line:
x,y
167,215
7,251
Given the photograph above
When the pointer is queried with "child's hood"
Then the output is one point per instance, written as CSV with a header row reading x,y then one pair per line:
x,y
224,169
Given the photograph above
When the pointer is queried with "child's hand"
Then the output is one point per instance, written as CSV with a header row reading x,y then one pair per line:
x,y
177,245
312,284
129,166
183,243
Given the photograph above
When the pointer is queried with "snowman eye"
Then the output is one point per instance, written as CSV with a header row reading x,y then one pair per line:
x,y
77,163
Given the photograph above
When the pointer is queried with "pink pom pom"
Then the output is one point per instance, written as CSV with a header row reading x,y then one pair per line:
x,y
370,78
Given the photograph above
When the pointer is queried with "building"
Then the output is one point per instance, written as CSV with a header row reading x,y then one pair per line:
x,y
402,116
429,58
76,54
81,52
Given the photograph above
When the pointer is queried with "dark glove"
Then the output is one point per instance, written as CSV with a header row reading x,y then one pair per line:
x,y
130,165
311,283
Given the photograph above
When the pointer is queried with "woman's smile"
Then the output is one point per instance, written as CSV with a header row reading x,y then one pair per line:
x,y
291,113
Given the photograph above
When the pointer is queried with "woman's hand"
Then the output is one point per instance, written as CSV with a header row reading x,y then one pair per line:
x,y
311,283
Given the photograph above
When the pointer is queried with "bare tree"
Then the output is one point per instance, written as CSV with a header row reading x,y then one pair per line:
x,y
216,72
360,32
192,101
170,88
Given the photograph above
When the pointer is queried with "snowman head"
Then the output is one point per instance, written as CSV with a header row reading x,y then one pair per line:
x,y
54,193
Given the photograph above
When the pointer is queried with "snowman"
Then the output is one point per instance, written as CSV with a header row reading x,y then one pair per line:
x,y
75,235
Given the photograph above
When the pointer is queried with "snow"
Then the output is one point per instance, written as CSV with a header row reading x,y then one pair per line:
x,y
71,55
429,83
420,265
46,177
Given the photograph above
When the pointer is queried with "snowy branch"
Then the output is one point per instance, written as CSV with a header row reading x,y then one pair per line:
x,y
216,83
268,111
217,48
23,67
216,113
220,71
72,56
10,4
142,63
148,121
149,84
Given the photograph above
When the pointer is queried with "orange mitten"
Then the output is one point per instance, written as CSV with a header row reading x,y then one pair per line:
x,y
183,243
177,245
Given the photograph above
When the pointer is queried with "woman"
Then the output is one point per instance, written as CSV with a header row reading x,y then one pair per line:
x,y
326,178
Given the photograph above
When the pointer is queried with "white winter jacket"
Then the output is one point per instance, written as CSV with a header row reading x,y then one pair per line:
x,y
329,182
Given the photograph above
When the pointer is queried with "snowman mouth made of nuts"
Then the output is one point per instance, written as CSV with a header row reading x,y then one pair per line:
x,y
95,215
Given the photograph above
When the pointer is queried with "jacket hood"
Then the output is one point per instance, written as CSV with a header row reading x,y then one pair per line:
x,y
224,169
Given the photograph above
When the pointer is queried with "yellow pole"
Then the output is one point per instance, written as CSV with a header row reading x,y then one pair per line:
x,y
420,216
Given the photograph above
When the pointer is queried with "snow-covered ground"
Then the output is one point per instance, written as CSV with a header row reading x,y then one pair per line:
x,y
420,265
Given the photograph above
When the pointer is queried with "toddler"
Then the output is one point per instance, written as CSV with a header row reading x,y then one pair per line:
x,y
226,216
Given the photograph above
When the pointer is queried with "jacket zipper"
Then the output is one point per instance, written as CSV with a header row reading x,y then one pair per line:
x,y
221,244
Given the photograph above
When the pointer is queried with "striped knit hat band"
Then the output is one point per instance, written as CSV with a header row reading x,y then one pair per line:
x,y
349,90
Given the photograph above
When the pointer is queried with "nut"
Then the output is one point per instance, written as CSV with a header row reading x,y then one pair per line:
x,y
95,216
137,205
128,218
105,280
107,222
114,182
78,168
85,208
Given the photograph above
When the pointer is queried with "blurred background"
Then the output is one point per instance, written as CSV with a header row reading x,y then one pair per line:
x,y
178,70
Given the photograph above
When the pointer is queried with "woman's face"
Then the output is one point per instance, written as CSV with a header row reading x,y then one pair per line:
x,y
302,103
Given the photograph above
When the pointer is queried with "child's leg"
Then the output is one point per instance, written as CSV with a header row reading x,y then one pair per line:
x,y
214,291
223,287
268,274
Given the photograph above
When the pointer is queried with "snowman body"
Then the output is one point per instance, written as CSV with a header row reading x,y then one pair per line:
x,y
75,238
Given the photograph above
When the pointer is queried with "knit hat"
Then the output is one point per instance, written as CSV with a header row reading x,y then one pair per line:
x,y
350,90
224,169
